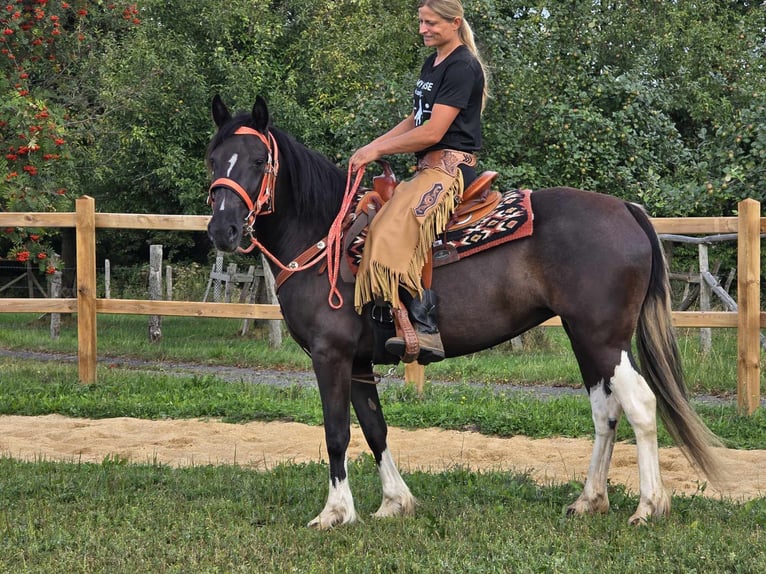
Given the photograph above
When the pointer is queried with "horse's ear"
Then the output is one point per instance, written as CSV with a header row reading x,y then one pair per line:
x,y
260,114
221,115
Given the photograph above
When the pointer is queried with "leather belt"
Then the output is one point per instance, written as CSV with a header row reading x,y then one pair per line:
x,y
446,160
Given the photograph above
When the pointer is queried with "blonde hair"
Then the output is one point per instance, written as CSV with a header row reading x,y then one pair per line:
x,y
449,10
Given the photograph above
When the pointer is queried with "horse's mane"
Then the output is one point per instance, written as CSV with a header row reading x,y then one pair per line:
x,y
316,183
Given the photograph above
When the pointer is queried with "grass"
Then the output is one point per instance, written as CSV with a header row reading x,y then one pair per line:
x,y
217,342
43,388
114,517
118,517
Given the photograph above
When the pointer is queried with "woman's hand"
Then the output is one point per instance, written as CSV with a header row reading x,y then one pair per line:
x,y
362,157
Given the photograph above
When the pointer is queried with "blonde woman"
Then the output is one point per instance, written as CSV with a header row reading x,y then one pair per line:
x,y
444,132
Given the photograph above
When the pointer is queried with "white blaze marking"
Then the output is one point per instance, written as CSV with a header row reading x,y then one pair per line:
x,y
232,163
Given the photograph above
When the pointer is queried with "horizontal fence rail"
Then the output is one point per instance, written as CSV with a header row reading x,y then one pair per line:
x,y
748,320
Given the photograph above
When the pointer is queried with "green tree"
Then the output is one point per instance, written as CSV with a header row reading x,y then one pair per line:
x,y
47,111
633,99
657,102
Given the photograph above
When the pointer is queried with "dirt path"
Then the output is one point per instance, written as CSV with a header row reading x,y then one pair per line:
x,y
262,445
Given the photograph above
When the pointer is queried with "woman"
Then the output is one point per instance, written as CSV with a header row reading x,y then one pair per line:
x,y
444,131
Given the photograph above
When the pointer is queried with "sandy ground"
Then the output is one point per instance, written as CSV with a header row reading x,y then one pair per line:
x,y
261,445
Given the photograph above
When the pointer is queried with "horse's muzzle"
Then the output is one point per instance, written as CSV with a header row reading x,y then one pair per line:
x,y
225,236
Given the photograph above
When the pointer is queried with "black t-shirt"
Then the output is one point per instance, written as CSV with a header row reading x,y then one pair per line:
x,y
458,82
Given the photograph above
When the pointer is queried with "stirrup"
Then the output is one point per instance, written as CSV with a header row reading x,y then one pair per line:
x,y
408,347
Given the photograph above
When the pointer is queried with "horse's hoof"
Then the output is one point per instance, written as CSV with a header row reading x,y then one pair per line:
x,y
404,506
328,519
327,523
647,510
583,506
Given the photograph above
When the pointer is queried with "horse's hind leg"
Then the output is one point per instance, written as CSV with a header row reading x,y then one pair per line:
x,y
615,386
606,413
397,498
640,406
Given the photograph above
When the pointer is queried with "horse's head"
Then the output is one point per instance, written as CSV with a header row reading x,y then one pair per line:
x,y
243,160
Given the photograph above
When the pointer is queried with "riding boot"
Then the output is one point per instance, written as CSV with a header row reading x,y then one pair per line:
x,y
422,313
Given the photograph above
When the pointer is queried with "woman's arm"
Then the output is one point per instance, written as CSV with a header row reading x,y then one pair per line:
x,y
406,138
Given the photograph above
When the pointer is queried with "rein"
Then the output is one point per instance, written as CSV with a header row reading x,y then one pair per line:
x,y
331,247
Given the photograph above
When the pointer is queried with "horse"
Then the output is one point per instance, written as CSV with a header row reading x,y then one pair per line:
x,y
593,260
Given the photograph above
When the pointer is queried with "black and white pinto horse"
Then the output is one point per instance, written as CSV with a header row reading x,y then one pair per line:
x,y
593,260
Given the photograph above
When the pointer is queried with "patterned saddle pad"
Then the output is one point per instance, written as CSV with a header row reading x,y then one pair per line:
x,y
511,219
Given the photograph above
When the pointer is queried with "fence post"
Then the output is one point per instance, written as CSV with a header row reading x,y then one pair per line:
x,y
217,282
706,333
155,290
231,271
415,373
749,302
275,327
107,279
55,293
86,288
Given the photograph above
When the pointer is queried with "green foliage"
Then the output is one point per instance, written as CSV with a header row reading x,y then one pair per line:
x,y
159,86
632,99
49,113
662,103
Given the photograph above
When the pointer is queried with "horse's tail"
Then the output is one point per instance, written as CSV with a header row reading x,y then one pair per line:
x,y
658,352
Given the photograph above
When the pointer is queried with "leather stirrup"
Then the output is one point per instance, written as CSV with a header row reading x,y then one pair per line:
x,y
405,330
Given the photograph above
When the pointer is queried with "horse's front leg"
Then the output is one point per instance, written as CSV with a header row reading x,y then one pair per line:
x,y
333,372
397,498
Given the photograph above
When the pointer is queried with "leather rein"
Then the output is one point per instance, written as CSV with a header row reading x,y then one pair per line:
x,y
330,247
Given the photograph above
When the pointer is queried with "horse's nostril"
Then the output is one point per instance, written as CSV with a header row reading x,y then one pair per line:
x,y
225,236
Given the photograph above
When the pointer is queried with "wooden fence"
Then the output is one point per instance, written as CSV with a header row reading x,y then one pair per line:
x,y
748,320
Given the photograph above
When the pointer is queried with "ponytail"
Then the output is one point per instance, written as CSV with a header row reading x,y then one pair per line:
x,y
466,36
449,10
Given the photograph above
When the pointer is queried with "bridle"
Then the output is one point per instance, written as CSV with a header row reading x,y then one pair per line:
x,y
264,203
329,247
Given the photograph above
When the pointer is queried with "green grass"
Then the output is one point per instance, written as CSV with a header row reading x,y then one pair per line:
x,y
210,341
118,517
114,517
43,388
217,341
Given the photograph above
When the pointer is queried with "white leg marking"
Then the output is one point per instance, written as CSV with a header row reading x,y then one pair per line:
x,y
606,413
397,498
640,406
339,508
